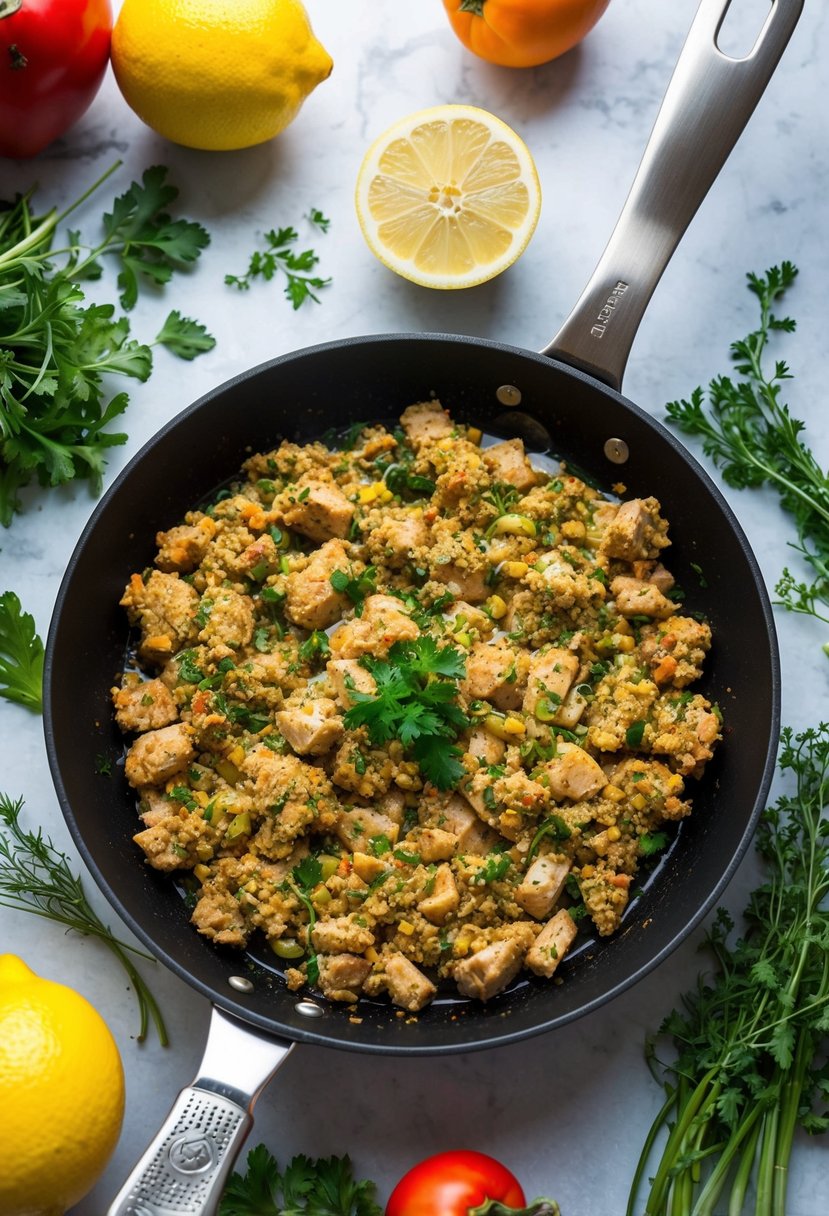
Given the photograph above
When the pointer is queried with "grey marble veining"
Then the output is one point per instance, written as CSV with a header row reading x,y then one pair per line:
x,y
568,1111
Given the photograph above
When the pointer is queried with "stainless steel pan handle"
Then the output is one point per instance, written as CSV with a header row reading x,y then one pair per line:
x,y
184,1170
709,100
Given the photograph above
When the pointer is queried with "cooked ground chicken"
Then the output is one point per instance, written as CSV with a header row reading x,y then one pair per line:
x,y
256,636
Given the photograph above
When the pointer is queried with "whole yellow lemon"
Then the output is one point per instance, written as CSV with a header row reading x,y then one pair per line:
x,y
216,74
61,1093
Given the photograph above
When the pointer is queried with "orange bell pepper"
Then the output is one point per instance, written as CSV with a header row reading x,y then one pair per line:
x,y
522,33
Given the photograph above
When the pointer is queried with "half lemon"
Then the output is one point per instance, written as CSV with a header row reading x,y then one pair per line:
x,y
448,197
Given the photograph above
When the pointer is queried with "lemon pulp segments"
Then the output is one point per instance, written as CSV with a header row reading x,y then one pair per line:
x,y
448,197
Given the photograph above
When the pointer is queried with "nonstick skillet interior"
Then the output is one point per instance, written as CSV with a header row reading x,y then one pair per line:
x,y
299,397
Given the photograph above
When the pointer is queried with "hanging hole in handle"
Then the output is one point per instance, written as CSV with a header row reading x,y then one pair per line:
x,y
741,27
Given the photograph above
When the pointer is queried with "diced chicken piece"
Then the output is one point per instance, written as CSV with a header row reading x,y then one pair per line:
x,y
229,620
473,836
320,510
552,943
483,745
393,540
182,548
676,649
407,986
571,710
177,843
636,531
381,625
393,805
153,806
311,600
470,618
165,608
541,886
654,572
261,554
313,728
574,774
159,755
346,676
218,915
444,898
508,462
291,793
488,972
357,828
341,934
366,866
433,844
496,672
342,976
426,422
145,705
551,674
465,582
636,598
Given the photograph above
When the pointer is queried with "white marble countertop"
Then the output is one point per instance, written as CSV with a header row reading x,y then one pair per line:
x,y
567,1111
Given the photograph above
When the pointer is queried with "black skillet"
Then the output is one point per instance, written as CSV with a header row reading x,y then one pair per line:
x,y
566,401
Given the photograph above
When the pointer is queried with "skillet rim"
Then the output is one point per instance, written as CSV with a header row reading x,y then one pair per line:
x,y
231,1003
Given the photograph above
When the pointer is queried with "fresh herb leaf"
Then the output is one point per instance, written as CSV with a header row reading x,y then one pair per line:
x,y
21,655
748,1063
355,587
36,877
753,439
279,257
415,701
184,337
652,842
306,1187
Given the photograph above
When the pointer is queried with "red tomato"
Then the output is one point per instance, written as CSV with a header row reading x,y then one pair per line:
x,y
461,1183
53,55
522,33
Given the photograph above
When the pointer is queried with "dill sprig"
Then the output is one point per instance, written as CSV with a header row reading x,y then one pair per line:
x,y
36,877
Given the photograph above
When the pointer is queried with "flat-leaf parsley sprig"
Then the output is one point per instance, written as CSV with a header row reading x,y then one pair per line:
x,y
415,701
279,257
36,877
21,655
750,1063
306,1187
57,350
751,436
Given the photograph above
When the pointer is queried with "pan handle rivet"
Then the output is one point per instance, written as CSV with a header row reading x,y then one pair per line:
x,y
508,394
308,1009
616,450
240,983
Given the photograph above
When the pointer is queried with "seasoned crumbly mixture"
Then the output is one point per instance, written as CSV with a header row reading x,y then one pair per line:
x,y
257,630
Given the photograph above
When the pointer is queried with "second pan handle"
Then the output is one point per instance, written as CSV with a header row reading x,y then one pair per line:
x,y
709,100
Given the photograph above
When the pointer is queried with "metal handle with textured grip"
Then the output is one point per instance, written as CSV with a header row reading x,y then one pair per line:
x,y
709,100
184,1170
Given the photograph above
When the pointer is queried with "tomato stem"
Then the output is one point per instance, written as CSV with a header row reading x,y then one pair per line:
x,y
472,6
494,1207
9,7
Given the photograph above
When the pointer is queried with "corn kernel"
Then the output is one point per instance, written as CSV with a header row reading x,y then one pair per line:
x,y
307,708
613,833
496,607
588,871
385,495
514,726
515,569
461,947
236,755
371,955
624,643
510,819
367,493
638,802
201,797
613,793
474,435
201,872
406,926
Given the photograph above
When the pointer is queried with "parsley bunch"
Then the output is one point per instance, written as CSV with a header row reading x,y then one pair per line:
x,y
57,350
21,655
305,1187
36,877
751,436
416,702
751,1040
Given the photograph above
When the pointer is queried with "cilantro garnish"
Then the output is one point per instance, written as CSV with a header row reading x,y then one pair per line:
x,y
416,702
652,842
355,587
